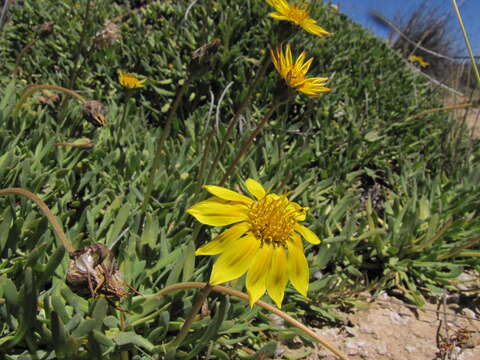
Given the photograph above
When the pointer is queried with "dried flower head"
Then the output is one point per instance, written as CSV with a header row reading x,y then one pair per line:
x,y
129,80
295,73
92,271
45,29
297,14
265,242
95,112
108,35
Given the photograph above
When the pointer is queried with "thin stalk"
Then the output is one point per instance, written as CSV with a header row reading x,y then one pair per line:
x,y
202,296
128,95
236,117
248,142
83,36
33,88
76,58
21,55
270,308
57,227
161,142
443,108
467,42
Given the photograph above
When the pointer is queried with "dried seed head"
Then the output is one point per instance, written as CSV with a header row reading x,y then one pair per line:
x,y
95,112
203,56
92,271
45,29
108,35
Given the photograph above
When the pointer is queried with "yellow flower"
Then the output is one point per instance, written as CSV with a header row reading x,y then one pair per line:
x,y
419,60
265,242
296,14
129,80
295,73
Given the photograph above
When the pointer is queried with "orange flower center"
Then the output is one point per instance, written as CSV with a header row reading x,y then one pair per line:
x,y
295,77
297,14
272,220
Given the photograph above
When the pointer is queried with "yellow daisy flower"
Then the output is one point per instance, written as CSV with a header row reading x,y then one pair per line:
x,y
265,241
296,14
295,73
419,60
129,81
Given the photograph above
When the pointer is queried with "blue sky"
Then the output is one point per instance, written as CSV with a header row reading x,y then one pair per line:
x,y
470,9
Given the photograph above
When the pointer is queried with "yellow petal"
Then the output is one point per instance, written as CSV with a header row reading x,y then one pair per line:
x,y
277,275
216,212
300,59
235,261
278,16
308,234
288,57
256,276
227,194
224,241
297,265
305,67
255,188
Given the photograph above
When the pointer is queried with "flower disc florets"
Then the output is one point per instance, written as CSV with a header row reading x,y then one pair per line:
x,y
272,221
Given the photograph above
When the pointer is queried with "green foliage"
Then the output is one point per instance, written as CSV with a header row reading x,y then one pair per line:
x,y
394,198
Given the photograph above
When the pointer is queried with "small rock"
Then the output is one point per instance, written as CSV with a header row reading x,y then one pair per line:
x,y
397,319
470,313
410,348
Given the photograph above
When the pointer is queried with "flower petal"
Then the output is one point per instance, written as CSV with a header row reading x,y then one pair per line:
x,y
297,265
217,212
277,275
278,16
227,194
255,188
235,261
288,57
257,273
224,241
308,234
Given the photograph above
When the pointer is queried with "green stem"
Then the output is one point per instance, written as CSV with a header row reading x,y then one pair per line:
x,y
236,117
249,141
76,59
161,142
128,95
270,308
467,42
80,45
57,228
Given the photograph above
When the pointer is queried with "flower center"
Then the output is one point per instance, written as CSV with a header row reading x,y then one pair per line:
x,y
272,220
295,77
297,14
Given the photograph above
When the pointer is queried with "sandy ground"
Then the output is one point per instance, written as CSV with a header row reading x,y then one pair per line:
x,y
448,327
391,330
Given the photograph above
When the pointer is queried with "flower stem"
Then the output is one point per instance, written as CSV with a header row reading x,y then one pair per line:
x,y
79,48
202,296
248,142
161,142
128,95
236,117
33,88
270,308
57,228
467,42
